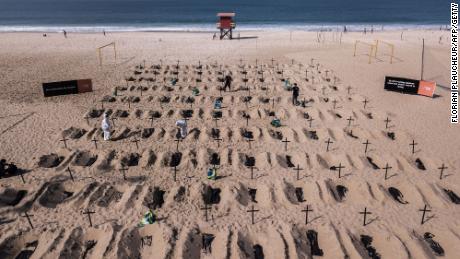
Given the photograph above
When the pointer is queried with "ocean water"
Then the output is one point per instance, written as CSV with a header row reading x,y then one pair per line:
x,y
200,15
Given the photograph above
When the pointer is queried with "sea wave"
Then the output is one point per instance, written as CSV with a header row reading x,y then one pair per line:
x,y
211,27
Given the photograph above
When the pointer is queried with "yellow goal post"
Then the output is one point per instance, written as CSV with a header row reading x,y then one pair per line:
x,y
99,51
389,45
372,49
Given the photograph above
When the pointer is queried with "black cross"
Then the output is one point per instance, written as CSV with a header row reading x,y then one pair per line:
x,y
425,210
95,142
386,170
340,167
386,122
442,168
123,171
137,142
365,212
365,102
306,213
252,172
206,208
310,120
218,141
367,144
333,102
177,143
70,173
215,120
102,104
350,119
65,141
285,141
328,142
348,90
413,144
306,73
249,142
88,212
175,173
273,102
252,210
247,120
28,219
22,176
298,169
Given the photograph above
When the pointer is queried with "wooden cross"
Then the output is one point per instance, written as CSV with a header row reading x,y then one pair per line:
x,y
413,144
215,120
175,173
141,89
365,102
256,63
306,213
123,171
327,71
306,73
252,211
310,120
241,61
177,143
87,119
206,208
65,141
249,142
273,102
328,142
113,121
136,140
218,141
386,170
129,103
348,90
350,119
102,104
28,219
386,122
340,167
88,212
365,212
247,120
272,61
298,169
442,168
285,141
94,140
70,173
22,176
252,172
424,210
334,103
367,144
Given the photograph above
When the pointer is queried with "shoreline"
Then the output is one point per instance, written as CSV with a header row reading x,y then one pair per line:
x,y
208,28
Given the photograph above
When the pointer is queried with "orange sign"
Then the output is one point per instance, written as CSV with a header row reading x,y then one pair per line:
x,y
426,88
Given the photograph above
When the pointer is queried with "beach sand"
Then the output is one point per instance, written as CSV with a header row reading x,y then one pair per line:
x,y
32,126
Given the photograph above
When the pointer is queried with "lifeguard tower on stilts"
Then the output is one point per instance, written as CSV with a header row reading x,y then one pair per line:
x,y
226,25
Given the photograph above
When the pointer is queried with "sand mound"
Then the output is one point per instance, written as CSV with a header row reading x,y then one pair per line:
x,y
84,158
50,161
54,195
11,197
73,133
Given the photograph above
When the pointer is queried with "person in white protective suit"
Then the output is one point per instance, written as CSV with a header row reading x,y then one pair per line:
x,y
182,124
106,127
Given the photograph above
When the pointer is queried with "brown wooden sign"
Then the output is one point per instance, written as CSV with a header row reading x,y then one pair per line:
x,y
67,87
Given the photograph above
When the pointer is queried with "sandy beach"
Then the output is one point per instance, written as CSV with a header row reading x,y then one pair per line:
x,y
333,85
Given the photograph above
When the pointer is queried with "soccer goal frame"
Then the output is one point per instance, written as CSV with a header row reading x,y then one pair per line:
x,y
99,51
391,46
372,49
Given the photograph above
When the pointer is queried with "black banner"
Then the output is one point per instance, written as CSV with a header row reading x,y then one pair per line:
x,y
399,84
67,87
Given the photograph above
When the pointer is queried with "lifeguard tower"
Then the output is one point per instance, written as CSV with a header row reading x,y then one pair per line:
x,y
226,24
